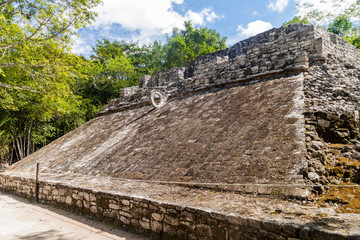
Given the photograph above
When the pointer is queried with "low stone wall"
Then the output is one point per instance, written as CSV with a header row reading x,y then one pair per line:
x,y
157,219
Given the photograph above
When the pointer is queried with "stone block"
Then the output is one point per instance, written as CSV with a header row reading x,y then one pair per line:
x,y
68,200
156,226
92,197
79,204
93,209
86,204
188,225
169,230
126,214
114,206
203,230
157,216
144,225
125,202
86,196
172,220
124,220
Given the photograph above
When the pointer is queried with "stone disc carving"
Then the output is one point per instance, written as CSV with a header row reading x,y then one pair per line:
x,y
158,98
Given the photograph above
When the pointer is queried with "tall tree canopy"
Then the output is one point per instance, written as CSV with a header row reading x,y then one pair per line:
x,y
37,69
34,47
185,45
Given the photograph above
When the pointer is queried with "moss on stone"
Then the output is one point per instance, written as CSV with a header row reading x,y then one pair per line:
x,y
347,162
347,198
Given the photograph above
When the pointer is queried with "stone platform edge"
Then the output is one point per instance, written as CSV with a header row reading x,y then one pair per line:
x,y
159,219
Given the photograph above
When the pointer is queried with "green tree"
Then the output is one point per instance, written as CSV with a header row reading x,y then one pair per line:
x,y
4,139
37,70
110,68
297,19
341,26
157,58
185,45
337,24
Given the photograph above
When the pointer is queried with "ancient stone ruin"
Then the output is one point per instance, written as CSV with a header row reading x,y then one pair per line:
x,y
214,150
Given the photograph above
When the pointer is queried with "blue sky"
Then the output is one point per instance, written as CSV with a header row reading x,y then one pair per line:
x,y
149,20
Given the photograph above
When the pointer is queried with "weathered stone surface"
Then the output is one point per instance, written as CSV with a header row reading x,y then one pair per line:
x,y
156,226
157,217
68,200
114,206
189,147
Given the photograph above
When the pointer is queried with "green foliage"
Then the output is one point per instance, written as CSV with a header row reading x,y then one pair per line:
x,y
109,70
343,27
297,19
340,26
185,45
337,24
37,70
4,136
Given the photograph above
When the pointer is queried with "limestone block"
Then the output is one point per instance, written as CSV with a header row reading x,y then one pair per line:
x,y
86,196
93,209
125,202
92,197
157,216
114,206
172,220
62,192
79,204
126,214
124,220
145,225
188,225
75,196
114,214
86,204
156,226
170,230
68,200
55,192
187,216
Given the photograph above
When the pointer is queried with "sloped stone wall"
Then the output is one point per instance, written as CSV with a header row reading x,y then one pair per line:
x,y
231,135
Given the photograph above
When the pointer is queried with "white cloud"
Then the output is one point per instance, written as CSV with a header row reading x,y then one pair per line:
x,y
200,18
250,30
139,20
80,46
149,17
253,28
278,5
255,13
327,7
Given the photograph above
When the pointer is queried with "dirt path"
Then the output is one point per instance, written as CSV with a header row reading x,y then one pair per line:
x,y
20,219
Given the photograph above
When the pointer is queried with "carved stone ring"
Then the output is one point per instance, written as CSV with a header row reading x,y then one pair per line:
x,y
158,98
